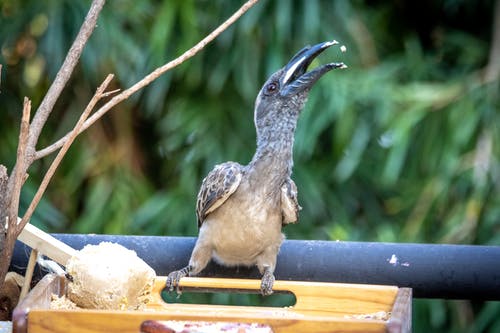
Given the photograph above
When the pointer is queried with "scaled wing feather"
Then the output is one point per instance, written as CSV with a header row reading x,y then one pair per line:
x,y
217,187
289,204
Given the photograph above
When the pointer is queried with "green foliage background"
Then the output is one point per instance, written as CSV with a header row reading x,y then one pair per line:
x,y
401,147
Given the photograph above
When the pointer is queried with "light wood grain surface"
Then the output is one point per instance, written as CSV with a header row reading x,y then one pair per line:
x,y
320,307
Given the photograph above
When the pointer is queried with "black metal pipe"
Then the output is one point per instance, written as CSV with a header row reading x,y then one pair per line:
x,y
433,271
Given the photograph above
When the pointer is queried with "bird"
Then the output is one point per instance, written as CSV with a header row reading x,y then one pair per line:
x,y
241,209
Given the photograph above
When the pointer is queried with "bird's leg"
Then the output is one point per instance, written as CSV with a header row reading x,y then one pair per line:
x,y
266,284
200,257
266,263
174,278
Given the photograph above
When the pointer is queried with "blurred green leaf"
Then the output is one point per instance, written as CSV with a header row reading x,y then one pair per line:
x,y
402,146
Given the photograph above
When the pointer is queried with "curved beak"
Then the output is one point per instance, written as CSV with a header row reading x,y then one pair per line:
x,y
296,78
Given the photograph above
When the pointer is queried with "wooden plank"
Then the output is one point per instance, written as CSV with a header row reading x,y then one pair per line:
x,y
321,307
38,298
46,244
312,297
109,321
400,321
29,274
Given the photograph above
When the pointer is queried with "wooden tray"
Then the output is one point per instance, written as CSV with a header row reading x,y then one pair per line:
x,y
320,307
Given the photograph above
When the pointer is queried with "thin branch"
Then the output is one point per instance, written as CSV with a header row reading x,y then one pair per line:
x,y
19,170
63,75
72,135
55,89
149,78
109,93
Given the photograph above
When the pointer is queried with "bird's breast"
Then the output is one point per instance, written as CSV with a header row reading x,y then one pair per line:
x,y
244,226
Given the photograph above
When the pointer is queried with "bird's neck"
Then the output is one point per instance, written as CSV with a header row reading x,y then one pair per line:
x,y
273,159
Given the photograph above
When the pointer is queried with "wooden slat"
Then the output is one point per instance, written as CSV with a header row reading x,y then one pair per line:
x,y
312,297
29,274
400,321
38,298
321,307
46,244
110,321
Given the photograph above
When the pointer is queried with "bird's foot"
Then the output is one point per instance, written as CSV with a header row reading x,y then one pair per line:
x,y
267,282
174,278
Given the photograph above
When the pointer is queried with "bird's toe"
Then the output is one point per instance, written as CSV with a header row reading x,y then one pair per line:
x,y
266,285
174,278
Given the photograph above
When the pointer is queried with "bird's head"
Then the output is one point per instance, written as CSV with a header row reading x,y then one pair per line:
x,y
284,94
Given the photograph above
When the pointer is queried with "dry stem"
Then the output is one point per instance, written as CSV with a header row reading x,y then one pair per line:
x,y
54,92
63,75
19,173
72,135
10,187
150,78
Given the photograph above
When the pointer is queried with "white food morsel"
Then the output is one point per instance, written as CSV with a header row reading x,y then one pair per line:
x,y
109,276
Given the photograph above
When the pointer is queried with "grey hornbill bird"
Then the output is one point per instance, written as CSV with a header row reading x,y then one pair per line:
x,y
241,209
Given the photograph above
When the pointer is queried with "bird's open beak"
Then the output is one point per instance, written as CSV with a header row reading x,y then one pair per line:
x,y
296,78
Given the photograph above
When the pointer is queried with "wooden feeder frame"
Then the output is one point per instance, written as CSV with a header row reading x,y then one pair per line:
x,y
320,307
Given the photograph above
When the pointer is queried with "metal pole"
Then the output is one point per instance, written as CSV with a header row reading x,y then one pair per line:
x,y
433,271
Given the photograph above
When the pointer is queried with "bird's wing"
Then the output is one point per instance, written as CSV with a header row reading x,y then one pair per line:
x,y
219,184
289,204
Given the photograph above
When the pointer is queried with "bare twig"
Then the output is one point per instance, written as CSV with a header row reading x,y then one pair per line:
x,y
63,75
109,93
149,78
19,170
10,186
7,184
72,135
57,86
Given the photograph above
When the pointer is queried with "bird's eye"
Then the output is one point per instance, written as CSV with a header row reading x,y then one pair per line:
x,y
272,88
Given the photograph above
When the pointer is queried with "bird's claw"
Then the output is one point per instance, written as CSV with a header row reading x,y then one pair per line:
x,y
266,284
69,277
174,278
